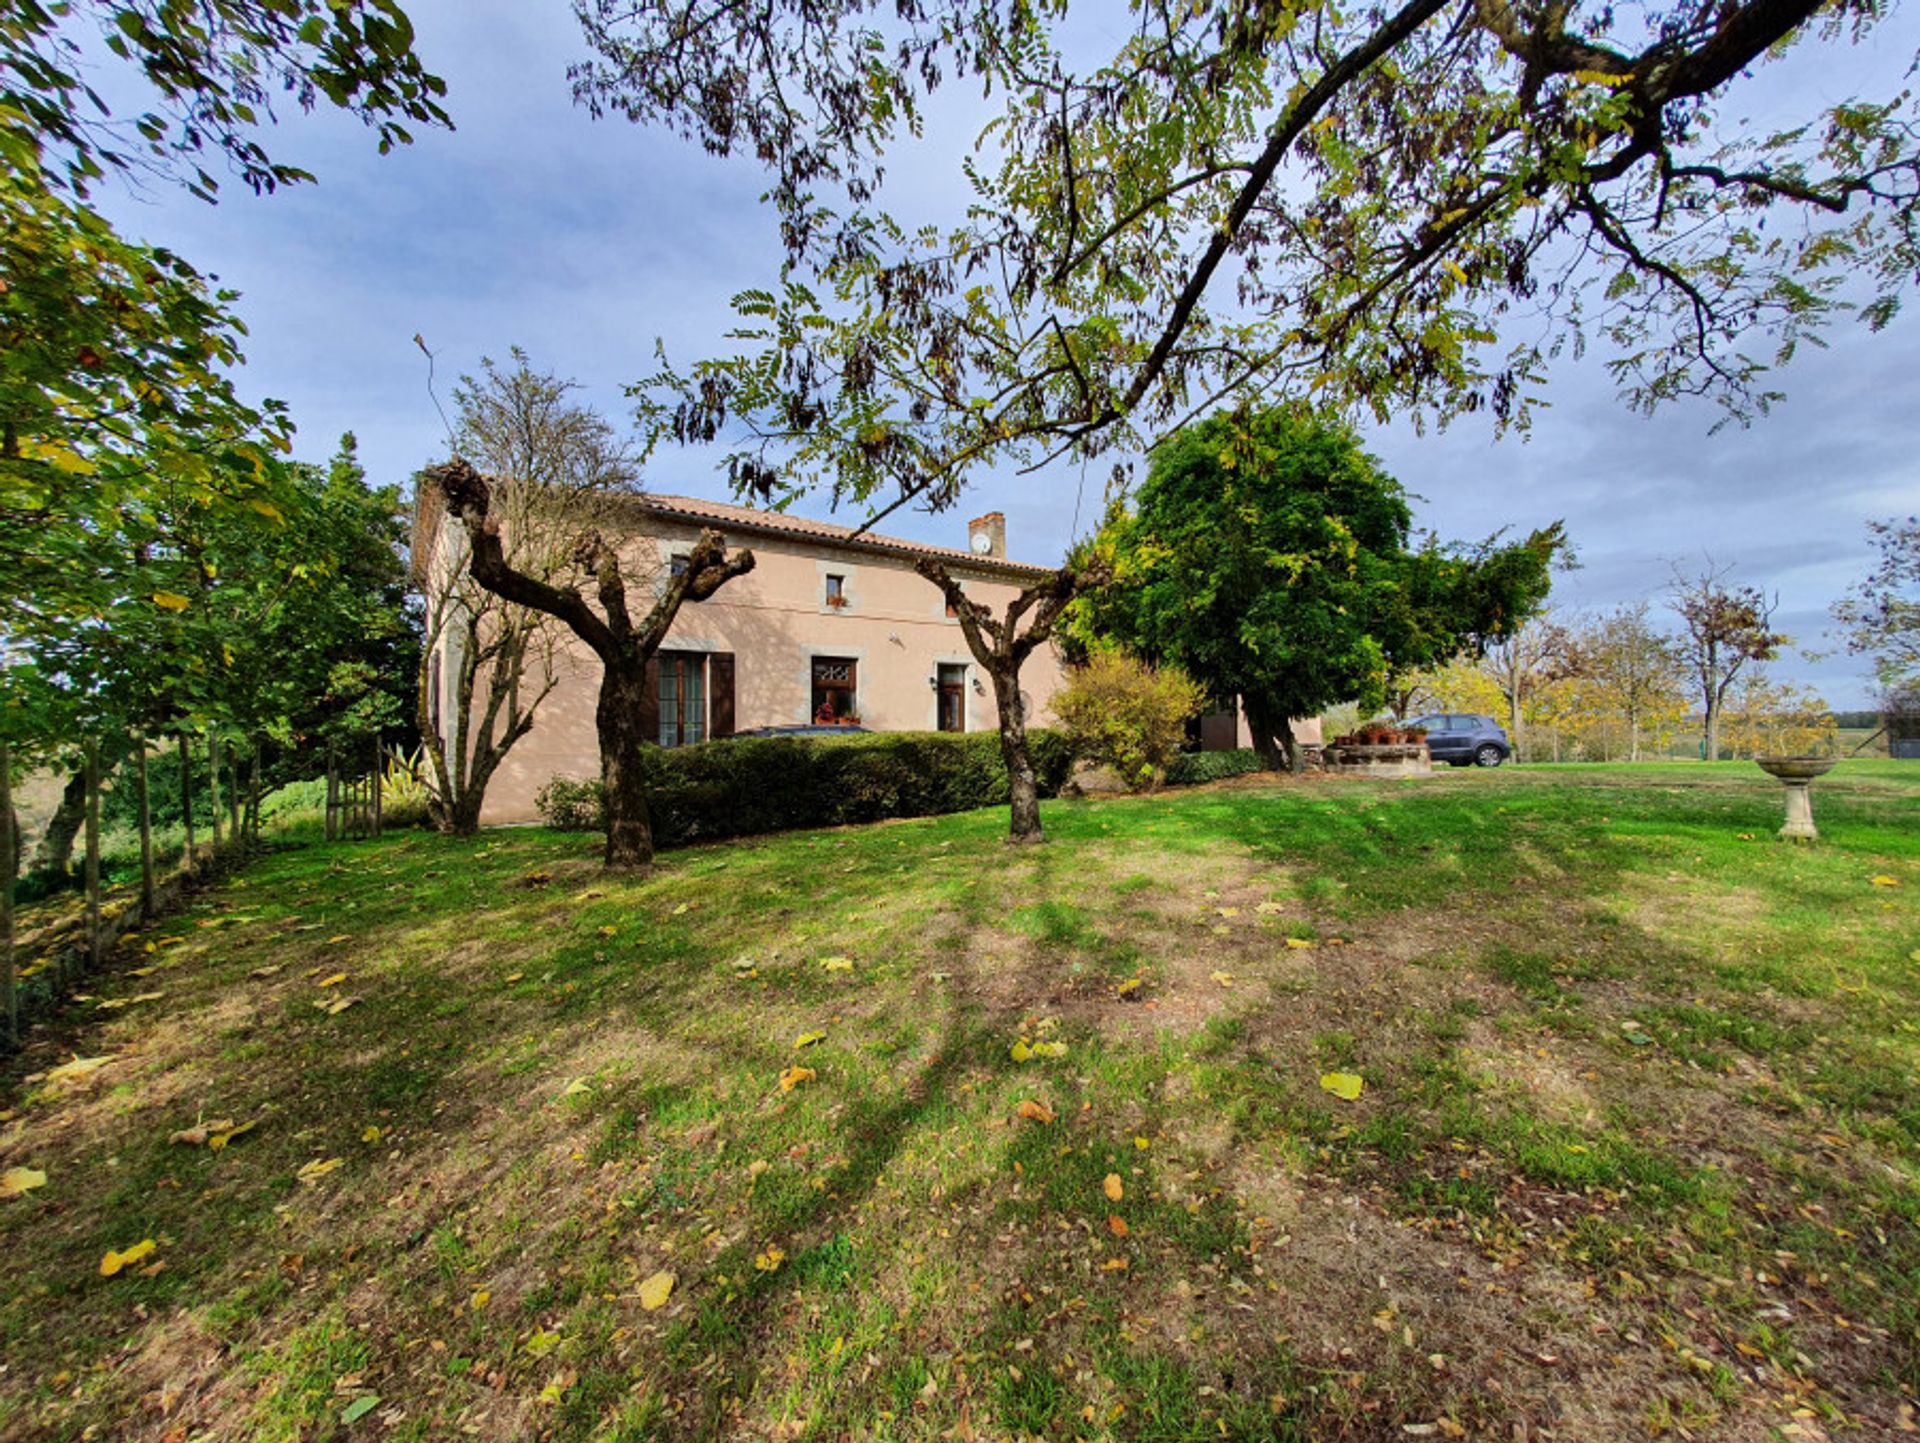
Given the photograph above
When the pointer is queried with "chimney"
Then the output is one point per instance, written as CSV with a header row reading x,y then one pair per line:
x,y
993,526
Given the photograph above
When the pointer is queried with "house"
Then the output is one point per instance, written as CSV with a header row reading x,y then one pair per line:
x,y
828,626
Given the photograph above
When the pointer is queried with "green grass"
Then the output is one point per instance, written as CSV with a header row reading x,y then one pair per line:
x,y
1638,1148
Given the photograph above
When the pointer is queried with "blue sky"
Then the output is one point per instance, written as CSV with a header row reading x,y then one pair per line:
x,y
583,241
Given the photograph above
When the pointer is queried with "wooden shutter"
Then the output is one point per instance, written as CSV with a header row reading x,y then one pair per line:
x,y
650,703
720,692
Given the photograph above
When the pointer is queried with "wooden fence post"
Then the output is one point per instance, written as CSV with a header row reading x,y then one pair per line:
x,y
9,864
146,836
186,799
376,786
213,784
93,855
333,793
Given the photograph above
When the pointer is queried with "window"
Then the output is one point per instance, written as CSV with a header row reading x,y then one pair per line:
x,y
834,681
836,590
679,562
952,681
683,698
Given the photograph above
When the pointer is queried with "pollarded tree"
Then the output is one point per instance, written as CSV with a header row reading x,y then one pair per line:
x,y
486,663
1398,206
1723,629
1268,557
1001,645
623,645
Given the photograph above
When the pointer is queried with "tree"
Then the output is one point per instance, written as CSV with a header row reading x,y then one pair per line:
x,y
1635,674
1404,208
1765,717
1524,664
1268,557
623,647
1121,713
1002,648
1881,615
1723,628
486,663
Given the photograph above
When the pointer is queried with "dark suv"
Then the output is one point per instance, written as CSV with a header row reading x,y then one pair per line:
x,y
1459,738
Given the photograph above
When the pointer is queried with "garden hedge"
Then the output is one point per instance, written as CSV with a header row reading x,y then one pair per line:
x,y
744,786
1191,768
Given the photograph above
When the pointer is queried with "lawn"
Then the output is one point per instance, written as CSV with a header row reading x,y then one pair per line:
x,y
1636,1152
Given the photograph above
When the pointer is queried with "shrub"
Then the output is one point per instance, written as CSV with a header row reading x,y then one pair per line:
x,y
748,785
1192,768
1129,716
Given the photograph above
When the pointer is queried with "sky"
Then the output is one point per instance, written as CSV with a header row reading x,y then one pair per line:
x,y
587,241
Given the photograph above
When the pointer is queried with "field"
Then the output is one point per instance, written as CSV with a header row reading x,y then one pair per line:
x,y
931,1138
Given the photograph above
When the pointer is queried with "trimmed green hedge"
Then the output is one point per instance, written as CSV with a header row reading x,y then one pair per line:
x,y
748,785
1191,768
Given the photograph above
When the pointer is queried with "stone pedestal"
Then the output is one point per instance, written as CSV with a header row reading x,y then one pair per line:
x,y
1797,774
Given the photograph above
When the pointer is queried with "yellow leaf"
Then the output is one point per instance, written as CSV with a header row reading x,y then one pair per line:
x,y
1020,1051
18,1180
808,1039
769,1261
1344,1085
480,1299
1117,1225
370,1134
1883,880
575,1088
79,1067
1454,270
1269,909
513,977
267,509
171,600
837,964
317,1169
794,1076
1130,986
682,909
335,941
1227,911
113,1262
201,1133
1223,930
1049,1049
1142,1143
608,931
333,981
1224,979
1034,1111
1300,944
1114,1265
655,1291
1113,1187
221,1139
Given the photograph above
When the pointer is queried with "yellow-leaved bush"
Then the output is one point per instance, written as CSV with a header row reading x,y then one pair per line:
x,y
1123,714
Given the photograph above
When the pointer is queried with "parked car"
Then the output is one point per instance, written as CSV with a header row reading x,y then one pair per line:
x,y
809,729
1462,739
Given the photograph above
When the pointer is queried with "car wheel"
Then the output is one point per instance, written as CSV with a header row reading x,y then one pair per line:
x,y
1488,755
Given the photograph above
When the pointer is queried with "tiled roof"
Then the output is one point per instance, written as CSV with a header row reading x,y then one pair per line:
x,y
779,523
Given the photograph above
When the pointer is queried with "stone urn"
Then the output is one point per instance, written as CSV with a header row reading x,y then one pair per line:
x,y
1797,774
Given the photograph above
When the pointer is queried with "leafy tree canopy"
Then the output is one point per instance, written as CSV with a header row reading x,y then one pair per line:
x,y
1269,556
1396,207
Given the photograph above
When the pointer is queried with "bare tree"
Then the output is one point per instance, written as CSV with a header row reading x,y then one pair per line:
x,y
1723,628
623,647
486,663
1001,647
1536,656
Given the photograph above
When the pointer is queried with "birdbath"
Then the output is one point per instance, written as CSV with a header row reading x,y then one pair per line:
x,y
1797,773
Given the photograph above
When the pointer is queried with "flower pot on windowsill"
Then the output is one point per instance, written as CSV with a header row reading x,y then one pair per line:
x,y
837,602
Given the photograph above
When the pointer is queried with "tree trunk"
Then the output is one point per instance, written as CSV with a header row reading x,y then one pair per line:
x,y
1272,736
1712,743
186,799
146,835
213,784
1023,786
9,864
623,774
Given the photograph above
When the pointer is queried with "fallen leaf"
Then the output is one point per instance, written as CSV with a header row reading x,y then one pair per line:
x,y
370,1134
1224,979
608,931
1034,1111
1117,1225
79,1067
769,1261
1300,944
655,1291
480,1299
837,964
266,971
1227,911
682,909
556,1388
197,1135
513,977
794,1076
317,1169
359,1408
333,981
1883,880
1020,1051
1114,1265
114,1262
1343,1085
1113,1187
1269,909
1127,988
18,1180
808,1039
1142,1143
541,1343
575,1088
338,938
221,1139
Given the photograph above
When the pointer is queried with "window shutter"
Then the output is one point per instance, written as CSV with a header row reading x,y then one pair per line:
x,y
650,703
720,692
